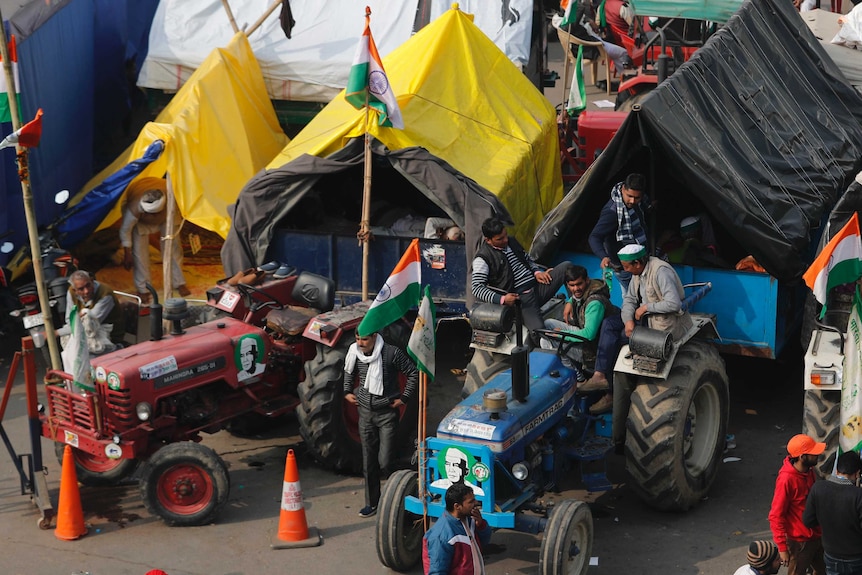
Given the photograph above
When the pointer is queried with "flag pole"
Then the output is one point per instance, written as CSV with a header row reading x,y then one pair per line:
x,y
168,245
29,209
567,49
423,391
364,231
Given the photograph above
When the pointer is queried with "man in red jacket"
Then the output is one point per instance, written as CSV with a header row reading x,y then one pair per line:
x,y
798,546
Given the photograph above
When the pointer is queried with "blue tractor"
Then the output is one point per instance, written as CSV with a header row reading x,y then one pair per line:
x,y
519,435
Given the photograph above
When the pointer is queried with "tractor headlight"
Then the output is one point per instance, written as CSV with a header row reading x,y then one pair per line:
x,y
144,410
520,471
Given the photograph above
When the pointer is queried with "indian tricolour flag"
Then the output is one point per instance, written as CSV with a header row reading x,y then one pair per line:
x,y
398,294
577,101
369,84
5,110
569,9
840,262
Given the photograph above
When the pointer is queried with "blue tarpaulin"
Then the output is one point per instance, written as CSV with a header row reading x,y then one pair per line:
x,y
82,220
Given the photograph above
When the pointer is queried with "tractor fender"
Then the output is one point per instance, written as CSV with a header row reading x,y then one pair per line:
x,y
330,327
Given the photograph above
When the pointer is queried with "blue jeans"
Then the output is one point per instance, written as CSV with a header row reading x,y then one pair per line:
x,y
842,566
612,337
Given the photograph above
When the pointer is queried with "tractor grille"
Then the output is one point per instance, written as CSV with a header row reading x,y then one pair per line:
x,y
119,413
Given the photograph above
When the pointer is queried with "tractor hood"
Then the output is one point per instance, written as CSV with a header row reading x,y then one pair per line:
x,y
177,359
551,395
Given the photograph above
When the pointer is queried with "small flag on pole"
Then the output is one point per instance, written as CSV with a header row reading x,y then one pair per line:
x,y
569,8
368,81
398,294
5,109
27,136
840,262
422,344
577,92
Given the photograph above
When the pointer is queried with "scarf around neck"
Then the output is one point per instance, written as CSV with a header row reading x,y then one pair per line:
x,y
374,376
625,229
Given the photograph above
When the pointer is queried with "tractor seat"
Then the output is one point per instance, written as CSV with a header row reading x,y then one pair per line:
x,y
290,320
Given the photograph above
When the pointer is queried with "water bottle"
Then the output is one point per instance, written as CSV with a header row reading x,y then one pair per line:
x,y
609,277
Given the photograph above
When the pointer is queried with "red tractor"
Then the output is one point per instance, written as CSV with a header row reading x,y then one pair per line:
x,y
151,402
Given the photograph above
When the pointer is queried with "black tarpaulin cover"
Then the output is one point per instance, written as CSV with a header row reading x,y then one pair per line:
x,y
759,128
272,194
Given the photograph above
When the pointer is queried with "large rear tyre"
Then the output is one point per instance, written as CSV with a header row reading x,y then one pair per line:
x,y
327,423
568,540
482,368
820,420
185,484
399,532
97,471
676,430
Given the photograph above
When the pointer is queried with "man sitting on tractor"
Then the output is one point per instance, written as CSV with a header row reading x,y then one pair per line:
x,y
98,306
587,306
655,292
504,273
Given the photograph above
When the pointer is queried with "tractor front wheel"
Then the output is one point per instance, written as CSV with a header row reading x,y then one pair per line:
x,y
185,484
675,431
399,532
97,471
568,540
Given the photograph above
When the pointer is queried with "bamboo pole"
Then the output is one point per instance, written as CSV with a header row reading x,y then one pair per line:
x,y
167,246
29,209
261,20
230,16
423,411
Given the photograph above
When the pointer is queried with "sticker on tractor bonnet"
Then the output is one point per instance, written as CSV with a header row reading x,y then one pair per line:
x,y
70,438
113,451
189,372
114,381
249,357
471,429
158,368
101,374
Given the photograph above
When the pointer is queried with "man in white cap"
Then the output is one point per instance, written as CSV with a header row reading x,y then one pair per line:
x,y
655,294
145,213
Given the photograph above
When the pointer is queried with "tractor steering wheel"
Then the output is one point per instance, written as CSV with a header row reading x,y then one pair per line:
x,y
246,290
565,339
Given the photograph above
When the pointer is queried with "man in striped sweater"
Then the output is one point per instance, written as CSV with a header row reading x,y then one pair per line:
x,y
377,397
504,273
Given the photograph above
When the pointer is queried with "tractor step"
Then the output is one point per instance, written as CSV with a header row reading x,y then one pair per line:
x,y
592,459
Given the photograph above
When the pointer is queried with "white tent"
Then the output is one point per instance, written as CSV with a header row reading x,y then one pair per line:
x,y
314,63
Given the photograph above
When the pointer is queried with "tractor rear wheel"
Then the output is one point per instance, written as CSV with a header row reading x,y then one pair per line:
x,y
568,540
327,423
675,431
399,532
97,471
185,484
820,420
482,368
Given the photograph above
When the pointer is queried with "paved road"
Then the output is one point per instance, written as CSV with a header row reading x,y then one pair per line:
x,y
125,540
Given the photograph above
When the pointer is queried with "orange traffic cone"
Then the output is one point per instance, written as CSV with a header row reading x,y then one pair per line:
x,y
293,529
70,517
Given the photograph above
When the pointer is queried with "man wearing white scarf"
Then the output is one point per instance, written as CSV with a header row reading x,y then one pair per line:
x,y
377,397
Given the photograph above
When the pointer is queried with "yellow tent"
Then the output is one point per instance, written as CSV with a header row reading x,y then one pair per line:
x,y
465,102
219,130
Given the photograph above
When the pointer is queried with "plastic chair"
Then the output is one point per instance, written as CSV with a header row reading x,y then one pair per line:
x,y
569,40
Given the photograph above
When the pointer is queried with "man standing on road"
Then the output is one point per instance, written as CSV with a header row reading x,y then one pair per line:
x,y
655,293
799,546
377,398
763,559
504,273
836,506
622,221
453,545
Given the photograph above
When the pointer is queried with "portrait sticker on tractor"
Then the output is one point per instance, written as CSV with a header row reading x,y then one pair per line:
x,y
435,256
456,466
249,357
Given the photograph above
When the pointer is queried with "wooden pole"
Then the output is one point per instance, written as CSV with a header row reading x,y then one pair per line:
x,y
29,209
567,49
261,20
364,225
423,410
230,16
167,246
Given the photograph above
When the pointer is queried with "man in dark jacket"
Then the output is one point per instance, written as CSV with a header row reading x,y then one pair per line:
x,y
377,397
799,546
453,545
98,302
504,273
622,221
836,506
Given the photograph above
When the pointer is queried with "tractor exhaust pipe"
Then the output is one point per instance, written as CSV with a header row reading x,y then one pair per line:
x,y
520,360
156,332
